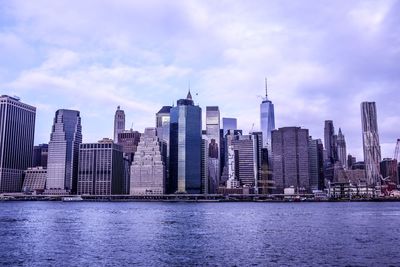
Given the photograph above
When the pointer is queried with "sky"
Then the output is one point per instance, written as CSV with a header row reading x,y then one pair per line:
x,y
322,59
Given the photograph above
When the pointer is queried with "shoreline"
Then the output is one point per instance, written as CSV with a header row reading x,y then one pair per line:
x,y
187,198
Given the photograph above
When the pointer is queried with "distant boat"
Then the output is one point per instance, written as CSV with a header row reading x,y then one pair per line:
x,y
72,199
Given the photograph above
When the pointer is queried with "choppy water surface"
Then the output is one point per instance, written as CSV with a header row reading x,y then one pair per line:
x,y
192,234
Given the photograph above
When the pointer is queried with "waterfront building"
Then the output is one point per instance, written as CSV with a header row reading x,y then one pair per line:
x,y
119,123
372,149
290,158
17,129
341,149
213,136
34,180
62,166
40,155
228,124
101,168
148,168
267,119
316,162
329,140
163,118
185,147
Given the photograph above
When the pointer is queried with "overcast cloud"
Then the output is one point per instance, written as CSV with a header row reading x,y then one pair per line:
x,y
322,59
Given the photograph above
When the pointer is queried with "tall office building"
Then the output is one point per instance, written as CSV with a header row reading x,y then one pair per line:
x,y
329,138
101,168
185,147
62,165
230,174
204,166
119,123
163,118
40,155
148,168
213,136
267,119
316,163
17,129
290,158
341,149
228,124
246,159
372,149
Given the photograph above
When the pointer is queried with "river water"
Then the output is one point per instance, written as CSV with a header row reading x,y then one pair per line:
x,y
199,234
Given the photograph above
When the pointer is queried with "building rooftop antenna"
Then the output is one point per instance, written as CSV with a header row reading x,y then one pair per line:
x,y
266,88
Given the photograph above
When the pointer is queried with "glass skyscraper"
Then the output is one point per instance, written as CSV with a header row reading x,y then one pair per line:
x,y
17,129
372,149
229,124
267,119
213,136
62,165
185,147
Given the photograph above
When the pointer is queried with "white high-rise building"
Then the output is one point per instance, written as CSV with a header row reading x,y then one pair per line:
x,y
372,149
267,119
148,169
119,123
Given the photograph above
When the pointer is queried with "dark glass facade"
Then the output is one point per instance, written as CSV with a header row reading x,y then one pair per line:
x,y
185,148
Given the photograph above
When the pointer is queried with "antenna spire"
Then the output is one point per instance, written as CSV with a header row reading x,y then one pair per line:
x,y
266,87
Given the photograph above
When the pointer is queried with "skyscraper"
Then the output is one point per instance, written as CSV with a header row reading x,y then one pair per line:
x,y
290,158
329,132
163,118
341,149
267,118
17,128
185,147
372,149
119,123
129,140
101,168
148,168
213,136
316,162
62,165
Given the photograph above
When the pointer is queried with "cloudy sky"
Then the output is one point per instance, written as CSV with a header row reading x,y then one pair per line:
x,y
322,59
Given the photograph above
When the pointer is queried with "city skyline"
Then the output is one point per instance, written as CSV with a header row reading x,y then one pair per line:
x,y
68,63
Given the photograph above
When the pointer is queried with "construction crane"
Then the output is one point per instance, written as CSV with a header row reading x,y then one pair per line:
x,y
397,151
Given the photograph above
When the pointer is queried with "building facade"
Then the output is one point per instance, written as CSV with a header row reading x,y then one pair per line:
x,y
34,180
316,162
214,155
148,168
63,155
329,141
267,119
185,147
341,149
40,155
290,158
371,145
119,123
101,168
17,129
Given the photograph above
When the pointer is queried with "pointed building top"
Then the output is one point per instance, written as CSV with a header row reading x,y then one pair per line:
x,y
118,108
340,131
189,96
